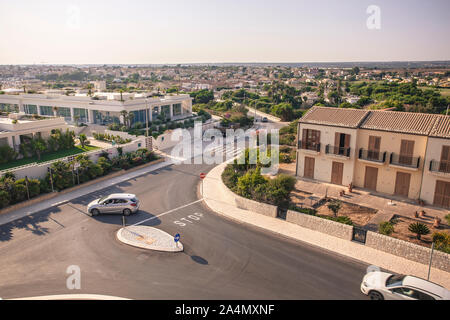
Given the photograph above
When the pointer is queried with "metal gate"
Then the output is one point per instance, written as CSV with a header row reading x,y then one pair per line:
x,y
359,235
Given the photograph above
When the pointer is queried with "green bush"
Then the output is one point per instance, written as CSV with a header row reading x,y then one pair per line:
x,y
4,199
340,219
447,217
419,229
386,228
308,211
442,241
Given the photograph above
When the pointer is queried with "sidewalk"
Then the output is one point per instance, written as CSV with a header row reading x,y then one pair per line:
x,y
221,200
20,213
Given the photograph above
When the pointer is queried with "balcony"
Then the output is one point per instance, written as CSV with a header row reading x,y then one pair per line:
x,y
338,151
312,146
404,161
442,167
371,155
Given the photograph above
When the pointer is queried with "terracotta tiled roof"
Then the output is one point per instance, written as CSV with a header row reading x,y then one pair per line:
x,y
350,118
403,122
441,127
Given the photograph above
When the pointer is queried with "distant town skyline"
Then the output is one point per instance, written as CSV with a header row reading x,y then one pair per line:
x,y
248,31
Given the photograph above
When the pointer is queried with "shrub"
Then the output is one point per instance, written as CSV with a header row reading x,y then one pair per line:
x,y
419,229
335,206
341,219
7,154
4,198
442,241
447,217
309,211
386,228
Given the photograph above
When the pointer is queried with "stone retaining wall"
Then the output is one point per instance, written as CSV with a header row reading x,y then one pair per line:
x,y
258,207
407,250
329,227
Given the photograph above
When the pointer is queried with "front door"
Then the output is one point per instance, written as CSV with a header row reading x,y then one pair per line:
x,y
402,184
442,194
337,171
370,178
309,168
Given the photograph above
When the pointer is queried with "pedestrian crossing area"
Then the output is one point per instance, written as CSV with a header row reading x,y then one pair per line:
x,y
224,152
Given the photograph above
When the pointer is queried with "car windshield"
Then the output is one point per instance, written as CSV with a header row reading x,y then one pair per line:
x,y
395,280
102,199
133,199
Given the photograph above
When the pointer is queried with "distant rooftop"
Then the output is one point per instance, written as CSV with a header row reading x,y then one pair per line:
x,y
393,121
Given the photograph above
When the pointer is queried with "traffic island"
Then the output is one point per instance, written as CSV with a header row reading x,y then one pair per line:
x,y
149,238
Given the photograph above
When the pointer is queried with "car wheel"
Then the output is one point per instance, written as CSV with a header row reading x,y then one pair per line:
x,y
95,212
375,295
127,212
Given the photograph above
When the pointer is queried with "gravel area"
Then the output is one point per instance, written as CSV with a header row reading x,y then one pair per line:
x,y
148,238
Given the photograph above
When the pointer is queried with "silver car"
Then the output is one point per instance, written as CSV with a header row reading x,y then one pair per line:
x,y
386,286
121,203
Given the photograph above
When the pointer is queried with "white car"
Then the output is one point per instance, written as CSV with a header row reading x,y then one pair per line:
x,y
386,286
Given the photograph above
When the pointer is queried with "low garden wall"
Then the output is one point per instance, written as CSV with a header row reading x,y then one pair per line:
x,y
51,195
255,206
407,250
329,227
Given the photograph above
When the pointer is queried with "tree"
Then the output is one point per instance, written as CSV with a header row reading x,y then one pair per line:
x,y
7,154
38,146
284,111
76,118
335,206
82,137
419,229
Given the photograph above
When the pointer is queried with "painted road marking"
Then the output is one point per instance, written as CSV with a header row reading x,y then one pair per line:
x,y
190,219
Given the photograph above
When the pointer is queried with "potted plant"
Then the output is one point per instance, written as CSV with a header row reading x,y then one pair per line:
x,y
350,187
422,214
437,222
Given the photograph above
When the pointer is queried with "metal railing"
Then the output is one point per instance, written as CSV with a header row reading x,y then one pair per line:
x,y
404,161
372,155
309,146
440,166
340,151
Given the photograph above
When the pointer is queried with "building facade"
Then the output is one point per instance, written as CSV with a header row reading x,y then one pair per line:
x,y
100,109
395,153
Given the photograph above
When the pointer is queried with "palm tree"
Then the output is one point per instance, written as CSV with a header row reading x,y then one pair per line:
x,y
124,115
82,137
419,229
76,118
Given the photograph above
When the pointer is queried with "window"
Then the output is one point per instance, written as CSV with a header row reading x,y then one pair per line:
x,y
64,112
30,109
46,110
395,280
311,139
177,109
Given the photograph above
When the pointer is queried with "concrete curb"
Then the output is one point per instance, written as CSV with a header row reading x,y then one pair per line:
x,y
149,238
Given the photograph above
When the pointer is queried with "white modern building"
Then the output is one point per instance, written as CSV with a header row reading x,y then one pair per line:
x,y
100,109
16,128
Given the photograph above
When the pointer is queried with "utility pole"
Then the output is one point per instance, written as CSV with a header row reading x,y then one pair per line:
x,y
431,259
51,177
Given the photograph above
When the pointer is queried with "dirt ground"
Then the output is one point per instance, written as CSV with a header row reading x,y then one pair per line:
x,y
401,229
358,214
287,168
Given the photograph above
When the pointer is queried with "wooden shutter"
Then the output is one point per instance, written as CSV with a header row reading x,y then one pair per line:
x,y
406,151
374,147
444,166
442,194
309,168
337,139
304,137
370,178
347,141
337,171
402,182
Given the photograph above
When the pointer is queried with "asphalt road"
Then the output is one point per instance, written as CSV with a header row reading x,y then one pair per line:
x,y
222,259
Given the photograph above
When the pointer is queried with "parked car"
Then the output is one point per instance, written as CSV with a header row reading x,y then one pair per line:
x,y
265,119
121,203
386,286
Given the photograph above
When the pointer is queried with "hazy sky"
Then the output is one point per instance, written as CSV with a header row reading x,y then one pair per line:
x,y
189,31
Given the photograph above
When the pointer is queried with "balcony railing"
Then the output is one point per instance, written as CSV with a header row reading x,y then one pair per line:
x,y
340,151
443,166
309,146
404,161
371,155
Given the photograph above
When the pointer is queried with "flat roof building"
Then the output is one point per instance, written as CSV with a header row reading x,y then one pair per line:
x,y
100,109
